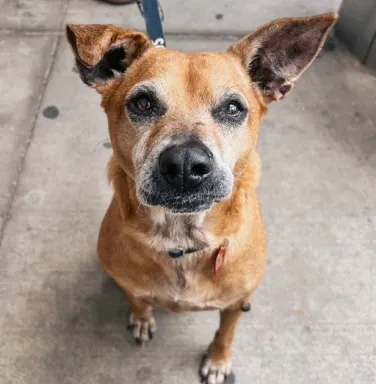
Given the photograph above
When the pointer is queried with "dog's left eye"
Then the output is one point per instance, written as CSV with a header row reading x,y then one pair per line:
x,y
231,112
232,109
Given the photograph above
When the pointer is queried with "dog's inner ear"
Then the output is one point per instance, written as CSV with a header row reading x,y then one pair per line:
x,y
104,51
276,54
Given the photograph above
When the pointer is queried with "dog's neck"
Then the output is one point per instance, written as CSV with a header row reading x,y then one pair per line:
x,y
177,231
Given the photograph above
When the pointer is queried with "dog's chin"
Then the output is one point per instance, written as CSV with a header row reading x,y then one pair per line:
x,y
178,204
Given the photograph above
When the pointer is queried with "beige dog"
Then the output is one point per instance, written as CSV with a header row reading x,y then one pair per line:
x,y
184,229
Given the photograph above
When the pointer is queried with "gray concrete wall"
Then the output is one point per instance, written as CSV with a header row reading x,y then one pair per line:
x,y
357,27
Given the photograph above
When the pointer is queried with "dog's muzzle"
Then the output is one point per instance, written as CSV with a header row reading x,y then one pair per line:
x,y
186,178
185,167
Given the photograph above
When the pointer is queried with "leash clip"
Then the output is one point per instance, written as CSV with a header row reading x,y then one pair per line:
x,y
159,43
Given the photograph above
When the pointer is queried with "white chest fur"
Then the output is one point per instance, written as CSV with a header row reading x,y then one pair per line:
x,y
182,286
177,231
192,295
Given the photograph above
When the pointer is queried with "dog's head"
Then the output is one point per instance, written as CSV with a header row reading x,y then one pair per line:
x,y
183,124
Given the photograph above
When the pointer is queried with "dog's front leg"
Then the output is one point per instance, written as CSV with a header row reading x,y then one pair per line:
x,y
217,364
141,320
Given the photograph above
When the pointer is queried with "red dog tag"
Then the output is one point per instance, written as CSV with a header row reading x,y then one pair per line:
x,y
220,258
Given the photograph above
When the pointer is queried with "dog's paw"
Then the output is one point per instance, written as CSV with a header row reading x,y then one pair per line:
x,y
216,372
142,329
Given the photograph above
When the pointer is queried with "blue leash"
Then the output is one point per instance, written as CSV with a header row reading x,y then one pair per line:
x,y
153,15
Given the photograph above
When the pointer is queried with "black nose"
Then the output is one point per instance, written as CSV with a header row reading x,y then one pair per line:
x,y
185,166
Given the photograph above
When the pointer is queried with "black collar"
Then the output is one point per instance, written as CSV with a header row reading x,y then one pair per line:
x,y
178,252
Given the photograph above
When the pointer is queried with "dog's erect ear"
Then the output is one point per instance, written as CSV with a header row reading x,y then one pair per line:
x,y
276,54
104,51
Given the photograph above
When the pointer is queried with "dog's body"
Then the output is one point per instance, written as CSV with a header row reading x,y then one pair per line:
x,y
185,168
127,250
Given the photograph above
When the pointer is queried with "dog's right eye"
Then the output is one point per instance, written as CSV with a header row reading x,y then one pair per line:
x,y
143,104
140,105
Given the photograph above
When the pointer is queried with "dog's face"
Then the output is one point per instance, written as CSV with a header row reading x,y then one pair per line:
x,y
183,127
181,124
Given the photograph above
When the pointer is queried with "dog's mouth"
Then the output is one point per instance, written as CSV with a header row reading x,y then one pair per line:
x,y
182,203
184,178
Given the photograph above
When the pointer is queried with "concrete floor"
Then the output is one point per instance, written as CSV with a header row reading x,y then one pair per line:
x,y
63,322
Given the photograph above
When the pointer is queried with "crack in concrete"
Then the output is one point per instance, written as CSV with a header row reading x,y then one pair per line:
x,y
7,215
52,57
